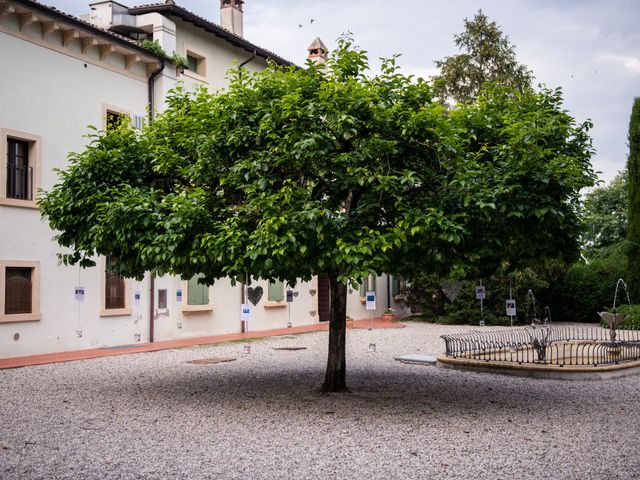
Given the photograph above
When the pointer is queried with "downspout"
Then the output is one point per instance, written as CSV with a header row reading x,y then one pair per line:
x,y
152,278
253,56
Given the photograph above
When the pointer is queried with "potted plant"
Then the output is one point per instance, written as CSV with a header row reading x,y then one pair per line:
x,y
388,315
349,322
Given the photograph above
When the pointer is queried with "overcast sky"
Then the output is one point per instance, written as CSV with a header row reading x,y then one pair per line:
x,y
590,48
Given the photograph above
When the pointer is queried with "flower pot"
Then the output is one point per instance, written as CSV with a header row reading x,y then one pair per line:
x,y
349,322
388,317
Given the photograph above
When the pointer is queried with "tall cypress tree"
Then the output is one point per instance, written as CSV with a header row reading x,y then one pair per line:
x,y
633,186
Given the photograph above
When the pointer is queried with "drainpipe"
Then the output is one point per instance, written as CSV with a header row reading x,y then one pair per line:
x,y
152,279
255,53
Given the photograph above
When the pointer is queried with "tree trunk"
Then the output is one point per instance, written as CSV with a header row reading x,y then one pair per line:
x,y
335,377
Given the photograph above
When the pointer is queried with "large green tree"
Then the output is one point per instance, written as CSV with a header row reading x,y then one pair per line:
x,y
633,182
291,173
605,216
487,57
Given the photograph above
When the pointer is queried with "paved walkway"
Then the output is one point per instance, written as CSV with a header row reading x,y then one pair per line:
x,y
87,354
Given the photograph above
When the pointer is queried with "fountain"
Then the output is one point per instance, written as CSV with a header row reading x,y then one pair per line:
x,y
613,319
549,351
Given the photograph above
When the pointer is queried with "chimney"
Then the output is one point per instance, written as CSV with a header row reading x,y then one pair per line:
x,y
231,16
317,51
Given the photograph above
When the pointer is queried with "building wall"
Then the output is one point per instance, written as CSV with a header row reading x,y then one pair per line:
x,y
56,96
55,91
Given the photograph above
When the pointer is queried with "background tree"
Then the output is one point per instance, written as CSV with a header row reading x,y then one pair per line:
x,y
487,56
605,216
633,169
291,173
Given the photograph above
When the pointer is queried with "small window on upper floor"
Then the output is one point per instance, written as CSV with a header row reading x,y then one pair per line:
x,y
197,64
113,119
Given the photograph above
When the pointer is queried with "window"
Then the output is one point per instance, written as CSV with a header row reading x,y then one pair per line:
x,y
275,295
19,291
397,288
20,172
197,64
115,290
276,291
198,295
113,119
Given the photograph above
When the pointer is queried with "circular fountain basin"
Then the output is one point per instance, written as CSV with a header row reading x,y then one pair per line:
x,y
558,352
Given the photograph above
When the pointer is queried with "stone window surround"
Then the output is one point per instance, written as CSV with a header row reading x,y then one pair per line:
x,y
201,74
35,314
35,153
113,312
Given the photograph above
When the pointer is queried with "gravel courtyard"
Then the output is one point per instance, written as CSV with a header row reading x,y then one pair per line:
x,y
155,416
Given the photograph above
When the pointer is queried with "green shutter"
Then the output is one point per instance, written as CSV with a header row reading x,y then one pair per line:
x,y
276,291
197,294
395,289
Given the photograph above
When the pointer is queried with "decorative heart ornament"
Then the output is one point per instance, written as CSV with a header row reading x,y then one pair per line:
x,y
312,313
295,294
451,289
254,294
312,292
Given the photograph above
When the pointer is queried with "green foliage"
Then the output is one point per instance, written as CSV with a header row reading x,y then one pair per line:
x,y
633,232
605,216
487,57
632,322
291,173
179,61
154,47
587,289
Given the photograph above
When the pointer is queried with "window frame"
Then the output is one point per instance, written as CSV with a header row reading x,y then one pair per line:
x,y
34,158
186,308
276,303
113,312
201,60
35,314
367,283
108,109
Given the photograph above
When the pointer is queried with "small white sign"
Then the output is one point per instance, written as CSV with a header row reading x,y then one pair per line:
x,y
136,299
371,300
245,312
179,296
79,293
480,293
511,308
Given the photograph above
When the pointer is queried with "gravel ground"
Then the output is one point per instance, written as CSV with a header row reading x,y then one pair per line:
x,y
154,416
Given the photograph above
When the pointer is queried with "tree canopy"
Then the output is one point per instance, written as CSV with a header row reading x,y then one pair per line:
x,y
487,57
291,173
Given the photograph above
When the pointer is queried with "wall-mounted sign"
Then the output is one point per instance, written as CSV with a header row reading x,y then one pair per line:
x,y
179,296
245,312
371,300
480,292
136,299
289,296
511,308
79,293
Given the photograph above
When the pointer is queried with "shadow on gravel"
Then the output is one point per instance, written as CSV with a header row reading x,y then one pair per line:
x,y
379,392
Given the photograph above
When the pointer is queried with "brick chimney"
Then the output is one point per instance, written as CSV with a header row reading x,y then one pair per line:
x,y
231,16
317,51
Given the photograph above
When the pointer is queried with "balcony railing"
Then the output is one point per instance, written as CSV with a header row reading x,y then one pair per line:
x,y
19,182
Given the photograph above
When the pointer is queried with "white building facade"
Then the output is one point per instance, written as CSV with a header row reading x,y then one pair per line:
x,y
62,74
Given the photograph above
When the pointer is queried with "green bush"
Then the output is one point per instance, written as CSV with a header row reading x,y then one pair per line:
x,y
588,288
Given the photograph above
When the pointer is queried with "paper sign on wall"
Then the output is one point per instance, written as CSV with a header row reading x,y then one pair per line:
x,y
289,296
179,296
371,300
136,299
79,293
480,293
511,308
245,312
